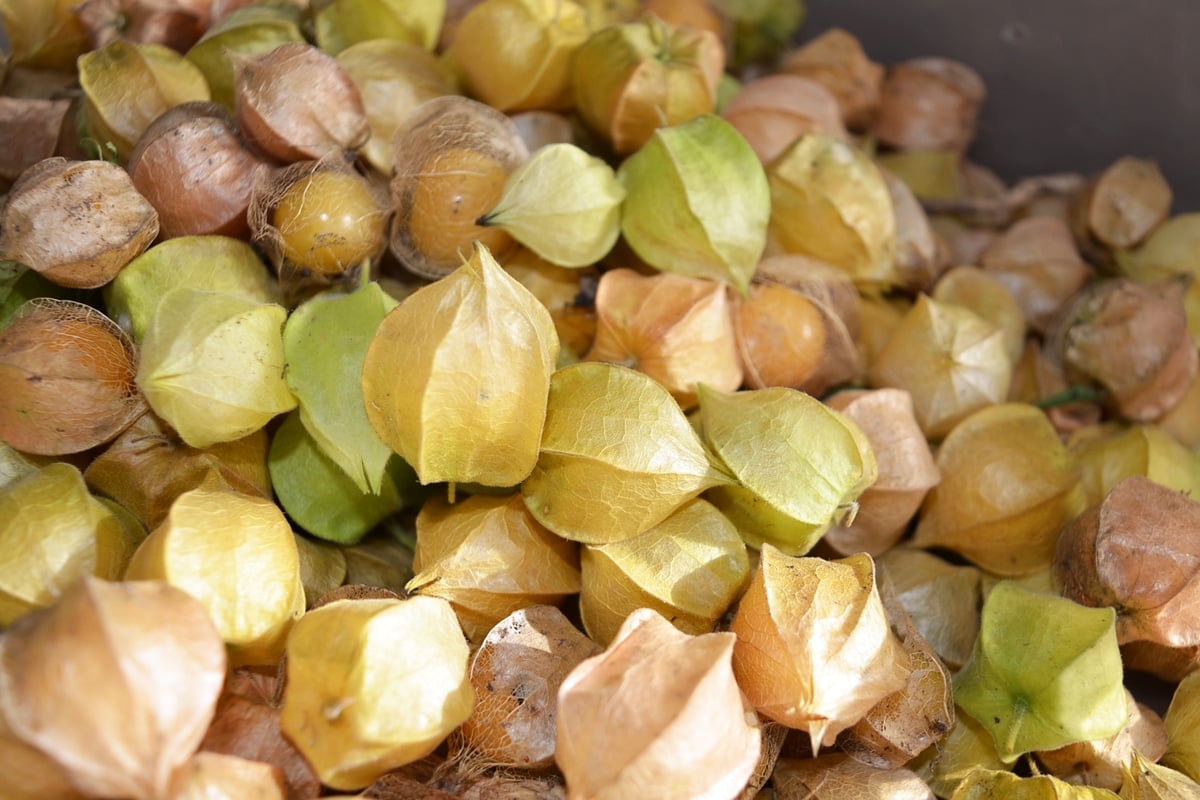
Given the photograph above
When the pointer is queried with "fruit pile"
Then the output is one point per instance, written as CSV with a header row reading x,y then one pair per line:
x,y
575,399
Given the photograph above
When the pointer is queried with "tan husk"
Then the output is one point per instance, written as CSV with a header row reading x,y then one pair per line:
x,y
217,776
836,59
773,111
1100,762
940,598
29,773
929,104
835,776
987,296
921,257
1127,201
31,128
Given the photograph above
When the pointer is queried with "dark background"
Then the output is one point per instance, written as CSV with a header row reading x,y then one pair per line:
x,y
1072,84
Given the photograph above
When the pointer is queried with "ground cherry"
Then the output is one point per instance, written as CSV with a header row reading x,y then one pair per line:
x,y
328,222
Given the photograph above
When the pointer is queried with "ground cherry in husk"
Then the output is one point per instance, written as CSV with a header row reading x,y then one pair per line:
x,y
328,222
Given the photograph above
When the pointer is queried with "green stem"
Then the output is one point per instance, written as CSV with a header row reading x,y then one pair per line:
x,y
1075,394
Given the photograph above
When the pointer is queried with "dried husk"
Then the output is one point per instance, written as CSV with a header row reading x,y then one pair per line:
x,y
1145,780
322,567
965,748
837,60
29,773
379,561
1133,551
1169,664
1011,532
236,555
1037,260
814,647
987,784
117,682
373,685
921,257
773,111
68,374
452,156
1039,379
941,598
343,23
690,568
174,23
564,292
250,30
393,78
212,365
217,776
77,223
43,34
929,104
516,674
987,296
1102,762
533,68
657,715
617,456
905,470
1109,453
829,201
781,335
31,127
1127,201
630,79
475,352
676,329
55,533
488,557
194,169
835,775
127,85
1169,250
325,118
951,361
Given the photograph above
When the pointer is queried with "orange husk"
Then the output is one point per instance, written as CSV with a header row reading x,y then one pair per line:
x,y
773,111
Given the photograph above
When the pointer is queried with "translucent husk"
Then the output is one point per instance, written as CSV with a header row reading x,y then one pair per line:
x,y
54,534
1108,454
516,674
929,175
838,776
1142,778
1002,785
373,685
879,319
488,558
563,291
697,202
212,365
617,456
211,263
942,600
1169,250
905,470
1037,260
475,353
116,681
29,773
830,202
814,647
43,34
127,85
1183,727
1010,532
1127,201
68,375
837,60
921,257
452,156
533,68
250,30
690,568
217,776
630,79
987,296
773,111
53,222
235,554
781,335
674,328
343,23
1102,762
929,104
657,715
393,78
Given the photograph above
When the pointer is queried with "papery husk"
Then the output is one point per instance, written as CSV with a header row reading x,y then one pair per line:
x,y
127,85
1038,660
147,466
68,373
1037,260
1109,453
218,776
617,456
830,202
212,365
987,784
1127,201
657,715
929,104
837,776
235,554
966,243
1013,532
987,296
15,465
343,23
929,175
533,68
43,34
836,59
799,464
965,748
54,534
676,329
1145,780
773,111
630,79
452,158
949,359
1168,664
1133,551
118,681
77,223
29,773
1169,250
1132,338
697,202
905,470
1183,421
362,697
322,567
540,128
393,78
31,127
1183,728
942,600
489,558
690,568
815,650
249,30
475,353
174,23
564,292
1102,762
1040,380
921,257
381,562
781,335
516,673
